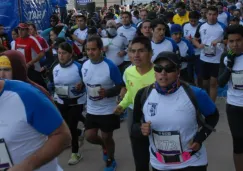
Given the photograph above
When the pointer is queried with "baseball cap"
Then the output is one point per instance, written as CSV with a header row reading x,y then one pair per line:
x,y
175,28
23,25
170,56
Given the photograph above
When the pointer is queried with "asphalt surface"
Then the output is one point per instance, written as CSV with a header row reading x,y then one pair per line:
x,y
219,148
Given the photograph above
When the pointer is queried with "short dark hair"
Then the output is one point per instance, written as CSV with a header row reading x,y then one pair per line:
x,y
127,13
66,46
181,5
213,8
82,16
220,3
194,15
169,14
96,39
156,22
143,40
234,29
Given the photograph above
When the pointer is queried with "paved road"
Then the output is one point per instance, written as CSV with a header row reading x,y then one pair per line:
x,y
219,147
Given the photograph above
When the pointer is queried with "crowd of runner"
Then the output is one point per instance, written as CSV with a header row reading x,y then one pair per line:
x,y
156,65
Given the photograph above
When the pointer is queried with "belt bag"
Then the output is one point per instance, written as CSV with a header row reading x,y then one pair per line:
x,y
173,159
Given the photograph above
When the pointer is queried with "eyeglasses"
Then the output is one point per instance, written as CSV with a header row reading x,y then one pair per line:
x,y
167,68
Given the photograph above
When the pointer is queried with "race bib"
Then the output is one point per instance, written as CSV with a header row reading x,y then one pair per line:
x,y
209,51
5,159
237,80
167,142
93,92
62,90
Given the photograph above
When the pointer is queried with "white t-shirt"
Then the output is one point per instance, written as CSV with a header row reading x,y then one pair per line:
x,y
167,44
129,33
115,45
65,80
181,117
27,118
81,34
208,33
186,50
235,96
102,75
190,31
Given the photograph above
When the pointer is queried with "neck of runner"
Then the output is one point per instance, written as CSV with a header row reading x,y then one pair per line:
x,y
97,61
156,39
145,69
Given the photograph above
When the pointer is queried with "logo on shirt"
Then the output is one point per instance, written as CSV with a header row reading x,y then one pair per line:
x,y
152,108
186,32
85,72
56,73
204,31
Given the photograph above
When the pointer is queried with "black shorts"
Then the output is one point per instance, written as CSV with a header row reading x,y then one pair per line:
x,y
209,70
106,123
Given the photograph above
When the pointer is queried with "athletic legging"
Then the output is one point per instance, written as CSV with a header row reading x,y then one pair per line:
x,y
235,120
195,168
72,115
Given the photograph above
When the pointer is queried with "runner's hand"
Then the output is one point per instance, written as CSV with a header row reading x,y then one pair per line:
x,y
119,110
102,93
121,53
231,59
146,128
79,87
195,146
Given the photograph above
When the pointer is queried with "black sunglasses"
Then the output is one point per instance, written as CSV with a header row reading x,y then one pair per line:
x,y
167,68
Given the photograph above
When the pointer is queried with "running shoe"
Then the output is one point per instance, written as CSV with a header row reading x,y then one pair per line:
x,y
111,165
75,158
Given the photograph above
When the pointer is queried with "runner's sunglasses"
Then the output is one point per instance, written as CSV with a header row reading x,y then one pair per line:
x,y
168,68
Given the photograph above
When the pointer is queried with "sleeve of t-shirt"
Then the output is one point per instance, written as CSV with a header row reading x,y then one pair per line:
x,y
41,113
105,41
115,74
36,45
206,105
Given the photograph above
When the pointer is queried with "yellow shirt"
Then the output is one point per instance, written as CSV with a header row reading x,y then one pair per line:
x,y
134,82
181,19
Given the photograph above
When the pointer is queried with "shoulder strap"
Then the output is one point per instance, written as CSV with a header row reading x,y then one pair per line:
x,y
79,68
192,97
146,92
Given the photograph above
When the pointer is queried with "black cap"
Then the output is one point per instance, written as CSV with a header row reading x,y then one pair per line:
x,y
170,56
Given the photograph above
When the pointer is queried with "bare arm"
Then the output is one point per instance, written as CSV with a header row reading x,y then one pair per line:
x,y
55,144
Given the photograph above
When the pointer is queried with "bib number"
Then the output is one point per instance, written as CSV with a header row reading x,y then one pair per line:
x,y
237,80
209,51
167,142
62,91
5,159
93,92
